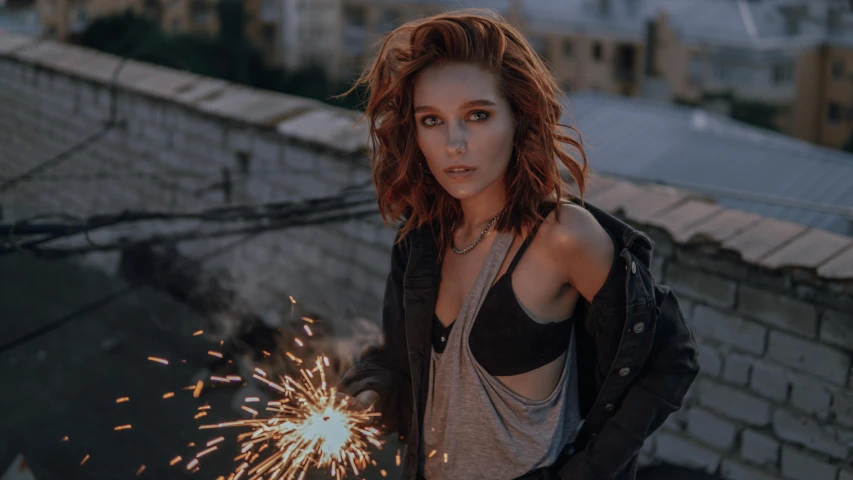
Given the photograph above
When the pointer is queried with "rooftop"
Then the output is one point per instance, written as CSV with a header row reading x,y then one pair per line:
x,y
741,166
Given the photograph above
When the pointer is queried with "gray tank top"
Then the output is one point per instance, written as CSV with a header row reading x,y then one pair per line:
x,y
476,427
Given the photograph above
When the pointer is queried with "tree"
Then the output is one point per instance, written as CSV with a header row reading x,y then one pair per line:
x,y
228,56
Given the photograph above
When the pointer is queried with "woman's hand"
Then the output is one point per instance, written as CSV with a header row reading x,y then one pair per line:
x,y
364,401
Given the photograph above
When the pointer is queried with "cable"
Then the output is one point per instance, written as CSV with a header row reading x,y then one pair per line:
x,y
106,300
199,235
303,209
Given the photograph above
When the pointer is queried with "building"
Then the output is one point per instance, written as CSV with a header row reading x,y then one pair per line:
x,y
19,16
786,65
297,34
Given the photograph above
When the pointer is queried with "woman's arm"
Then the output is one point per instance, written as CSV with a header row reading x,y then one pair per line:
x,y
656,393
668,372
385,368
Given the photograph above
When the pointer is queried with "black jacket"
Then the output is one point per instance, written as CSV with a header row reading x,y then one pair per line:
x,y
636,356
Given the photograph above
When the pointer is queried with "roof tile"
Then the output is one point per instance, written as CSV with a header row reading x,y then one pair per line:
x,y
652,201
256,106
683,217
613,199
721,226
838,267
808,250
762,238
323,126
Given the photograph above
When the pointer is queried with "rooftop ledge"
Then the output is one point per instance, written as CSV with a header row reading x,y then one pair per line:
x,y
688,219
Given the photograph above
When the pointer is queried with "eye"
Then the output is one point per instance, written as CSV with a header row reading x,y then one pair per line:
x,y
429,121
485,115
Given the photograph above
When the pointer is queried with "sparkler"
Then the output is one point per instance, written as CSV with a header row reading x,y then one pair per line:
x,y
308,427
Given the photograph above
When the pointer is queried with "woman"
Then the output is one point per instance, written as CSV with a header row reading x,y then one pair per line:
x,y
523,334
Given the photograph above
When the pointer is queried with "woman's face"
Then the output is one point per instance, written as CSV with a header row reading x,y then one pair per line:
x,y
462,120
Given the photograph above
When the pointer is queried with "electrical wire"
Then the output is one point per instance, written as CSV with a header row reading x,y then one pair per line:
x,y
108,299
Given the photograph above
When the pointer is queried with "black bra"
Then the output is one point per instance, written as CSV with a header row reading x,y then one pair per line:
x,y
504,339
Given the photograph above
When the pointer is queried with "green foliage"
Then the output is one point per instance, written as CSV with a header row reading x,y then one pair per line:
x,y
228,56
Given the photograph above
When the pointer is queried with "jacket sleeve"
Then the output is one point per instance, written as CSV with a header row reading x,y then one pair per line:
x,y
657,392
385,368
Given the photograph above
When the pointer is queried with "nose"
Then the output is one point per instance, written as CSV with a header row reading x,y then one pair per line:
x,y
456,142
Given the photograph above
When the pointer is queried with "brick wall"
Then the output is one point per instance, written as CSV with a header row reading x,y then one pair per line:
x,y
771,303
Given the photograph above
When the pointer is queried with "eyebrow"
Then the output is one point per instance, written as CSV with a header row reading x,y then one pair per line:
x,y
468,104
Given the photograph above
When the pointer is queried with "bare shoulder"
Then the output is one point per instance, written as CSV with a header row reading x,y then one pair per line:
x,y
581,248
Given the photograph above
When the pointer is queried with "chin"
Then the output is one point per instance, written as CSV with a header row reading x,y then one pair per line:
x,y
462,192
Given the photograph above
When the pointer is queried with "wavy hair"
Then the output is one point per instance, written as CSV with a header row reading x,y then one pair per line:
x,y
408,193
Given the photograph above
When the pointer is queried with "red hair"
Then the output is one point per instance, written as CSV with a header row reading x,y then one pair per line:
x,y
405,191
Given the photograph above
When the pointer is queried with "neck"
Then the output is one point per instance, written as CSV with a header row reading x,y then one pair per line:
x,y
480,209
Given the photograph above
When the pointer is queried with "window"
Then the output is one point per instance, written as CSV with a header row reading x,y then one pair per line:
x,y
722,72
837,69
695,70
567,48
833,113
782,74
596,51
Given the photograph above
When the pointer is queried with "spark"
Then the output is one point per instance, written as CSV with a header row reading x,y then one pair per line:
x,y
193,463
197,333
298,342
215,354
431,454
205,452
168,394
159,360
122,399
141,469
397,458
215,441
175,461
445,457
64,439
85,459
307,330
197,389
306,428
307,319
252,399
122,427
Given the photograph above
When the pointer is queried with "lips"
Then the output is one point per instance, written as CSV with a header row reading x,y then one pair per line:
x,y
458,169
459,172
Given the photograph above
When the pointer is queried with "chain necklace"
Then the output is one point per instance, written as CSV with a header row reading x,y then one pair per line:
x,y
482,235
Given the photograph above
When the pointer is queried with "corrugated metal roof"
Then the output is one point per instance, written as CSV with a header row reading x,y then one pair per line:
x,y
684,146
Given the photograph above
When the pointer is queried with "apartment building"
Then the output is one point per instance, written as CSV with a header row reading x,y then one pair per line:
x,y
786,64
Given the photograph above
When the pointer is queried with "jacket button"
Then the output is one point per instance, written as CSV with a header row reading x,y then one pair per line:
x,y
639,327
633,267
623,372
608,407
